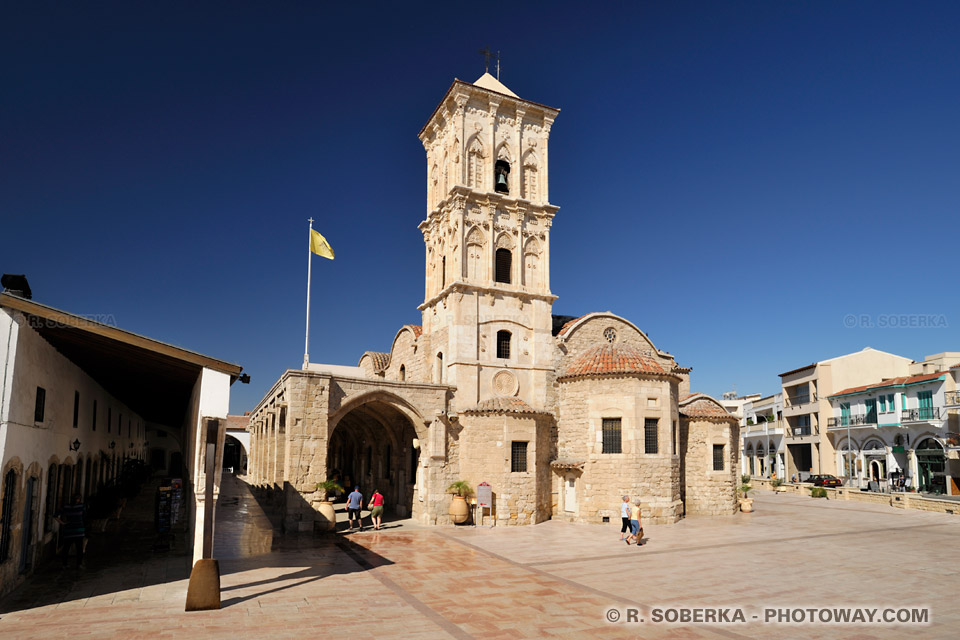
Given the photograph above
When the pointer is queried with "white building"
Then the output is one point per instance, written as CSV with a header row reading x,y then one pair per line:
x,y
78,399
898,427
762,443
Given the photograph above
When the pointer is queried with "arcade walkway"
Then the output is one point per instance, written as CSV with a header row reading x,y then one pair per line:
x,y
553,580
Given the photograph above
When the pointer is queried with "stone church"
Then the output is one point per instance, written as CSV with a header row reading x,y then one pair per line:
x,y
560,415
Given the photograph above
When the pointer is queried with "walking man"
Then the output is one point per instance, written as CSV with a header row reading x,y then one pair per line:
x,y
354,504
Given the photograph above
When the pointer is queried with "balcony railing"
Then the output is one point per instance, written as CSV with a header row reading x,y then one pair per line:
x,y
852,421
798,432
797,400
952,398
922,414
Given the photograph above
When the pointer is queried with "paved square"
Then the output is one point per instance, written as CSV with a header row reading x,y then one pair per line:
x,y
551,580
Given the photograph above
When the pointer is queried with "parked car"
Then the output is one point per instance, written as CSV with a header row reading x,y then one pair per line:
x,y
824,481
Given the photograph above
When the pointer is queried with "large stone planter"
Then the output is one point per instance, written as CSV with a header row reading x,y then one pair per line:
x,y
327,520
459,510
746,505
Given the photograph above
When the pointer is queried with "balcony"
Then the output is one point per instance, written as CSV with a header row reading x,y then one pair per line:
x,y
799,432
844,422
801,399
952,398
923,414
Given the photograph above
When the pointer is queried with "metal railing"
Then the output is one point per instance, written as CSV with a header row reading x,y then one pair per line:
x,y
800,399
852,421
920,415
798,432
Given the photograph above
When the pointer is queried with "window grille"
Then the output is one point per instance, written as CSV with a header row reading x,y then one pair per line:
x,y
718,457
518,457
76,409
612,435
650,435
503,344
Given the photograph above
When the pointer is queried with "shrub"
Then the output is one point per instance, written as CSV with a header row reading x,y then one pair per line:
x,y
777,482
461,488
745,478
818,492
327,487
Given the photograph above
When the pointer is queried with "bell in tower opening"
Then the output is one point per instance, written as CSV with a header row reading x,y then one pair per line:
x,y
501,172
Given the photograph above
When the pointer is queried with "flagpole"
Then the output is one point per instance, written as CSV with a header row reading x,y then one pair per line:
x,y
306,340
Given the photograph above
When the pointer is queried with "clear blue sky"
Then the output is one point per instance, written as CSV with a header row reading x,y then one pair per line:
x,y
734,177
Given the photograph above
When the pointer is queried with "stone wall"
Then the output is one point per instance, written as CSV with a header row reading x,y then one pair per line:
x,y
484,454
706,491
605,477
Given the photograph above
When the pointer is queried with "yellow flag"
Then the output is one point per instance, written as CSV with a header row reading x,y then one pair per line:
x,y
319,245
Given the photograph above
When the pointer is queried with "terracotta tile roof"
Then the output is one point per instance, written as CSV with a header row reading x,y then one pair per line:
x,y
607,358
416,328
700,405
380,359
956,366
502,405
892,382
238,423
566,326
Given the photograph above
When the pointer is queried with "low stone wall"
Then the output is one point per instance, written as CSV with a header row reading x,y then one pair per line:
x,y
896,500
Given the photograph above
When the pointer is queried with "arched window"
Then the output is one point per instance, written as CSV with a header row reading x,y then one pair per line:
x,y
504,265
403,373
438,374
6,513
501,177
503,344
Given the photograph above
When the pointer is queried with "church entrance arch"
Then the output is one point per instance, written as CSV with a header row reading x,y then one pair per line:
x,y
374,444
234,455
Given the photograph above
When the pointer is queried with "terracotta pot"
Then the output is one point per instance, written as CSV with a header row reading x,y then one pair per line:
x,y
327,520
459,510
746,505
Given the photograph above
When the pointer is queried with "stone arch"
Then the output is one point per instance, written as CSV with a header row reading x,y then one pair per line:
x,y
505,241
503,152
373,442
399,403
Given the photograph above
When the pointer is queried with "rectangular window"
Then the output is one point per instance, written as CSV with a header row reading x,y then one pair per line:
x,y
38,410
76,409
883,403
650,435
518,457
611,435
903,401
673,437
94,421
890,405
718,457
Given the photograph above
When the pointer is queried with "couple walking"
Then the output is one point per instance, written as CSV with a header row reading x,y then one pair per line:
x,y
630,515
355,504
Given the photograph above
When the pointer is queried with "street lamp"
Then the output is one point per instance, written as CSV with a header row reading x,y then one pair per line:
x,y
75,445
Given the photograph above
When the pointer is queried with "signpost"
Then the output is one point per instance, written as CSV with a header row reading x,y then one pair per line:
x,y
484,499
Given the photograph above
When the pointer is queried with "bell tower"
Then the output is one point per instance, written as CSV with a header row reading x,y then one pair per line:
x,y
487,303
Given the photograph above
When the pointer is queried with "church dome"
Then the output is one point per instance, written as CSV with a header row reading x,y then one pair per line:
x,y
613,358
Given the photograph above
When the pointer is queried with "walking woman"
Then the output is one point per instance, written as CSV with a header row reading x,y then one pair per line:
x,y
625,517
636,531
376,509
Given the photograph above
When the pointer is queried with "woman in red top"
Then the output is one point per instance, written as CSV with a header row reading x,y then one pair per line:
x,y
376,508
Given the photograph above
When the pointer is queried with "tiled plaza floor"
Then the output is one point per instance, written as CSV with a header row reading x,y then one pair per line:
x,y
551,580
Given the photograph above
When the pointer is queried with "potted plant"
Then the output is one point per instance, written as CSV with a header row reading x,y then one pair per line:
x,y
328,515
778,485
746,503
459,510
